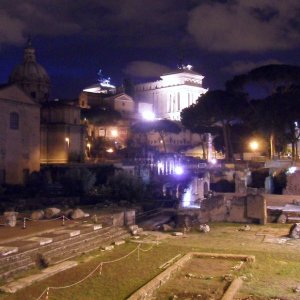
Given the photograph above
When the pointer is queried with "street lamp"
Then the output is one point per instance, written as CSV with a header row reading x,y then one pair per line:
x,y
67,141
114,133
254,145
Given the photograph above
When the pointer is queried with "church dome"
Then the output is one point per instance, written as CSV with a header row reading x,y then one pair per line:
x,y
31,76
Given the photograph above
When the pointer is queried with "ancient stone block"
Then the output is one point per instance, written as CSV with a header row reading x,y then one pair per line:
x,y
37,215
10,218
51,212
4,250
257,208
129,217
292,185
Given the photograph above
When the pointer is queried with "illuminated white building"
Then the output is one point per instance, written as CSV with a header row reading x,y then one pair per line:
x,y
174,92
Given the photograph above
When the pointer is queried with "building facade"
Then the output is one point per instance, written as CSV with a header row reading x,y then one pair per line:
x,y
62,134
19,135
172,93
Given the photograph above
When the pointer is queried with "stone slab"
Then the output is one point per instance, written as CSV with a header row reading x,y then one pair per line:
x,y
108,248
71,233
97,226
275,240
135,237
291,208
14,286
178,233
94,226
118,243
4,250
41,240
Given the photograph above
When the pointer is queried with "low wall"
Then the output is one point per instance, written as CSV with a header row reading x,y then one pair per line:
x,y
233,207
280,200
146,292
149,288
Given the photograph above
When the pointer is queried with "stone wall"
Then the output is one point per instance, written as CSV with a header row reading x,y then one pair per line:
x,y
280,200
129,217
257,208
233,208
213,210
237,210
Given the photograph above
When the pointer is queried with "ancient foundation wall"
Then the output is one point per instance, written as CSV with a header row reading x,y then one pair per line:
x,y
280,200
234,208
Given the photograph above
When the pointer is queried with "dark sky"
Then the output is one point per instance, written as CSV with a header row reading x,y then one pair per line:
x,y
145,38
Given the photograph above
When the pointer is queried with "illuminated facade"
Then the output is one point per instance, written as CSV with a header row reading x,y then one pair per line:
x,y
174,92
62,134
19,135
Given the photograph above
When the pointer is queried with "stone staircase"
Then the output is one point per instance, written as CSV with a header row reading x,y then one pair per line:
x,y
56,246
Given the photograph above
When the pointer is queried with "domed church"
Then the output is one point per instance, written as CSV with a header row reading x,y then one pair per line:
x,y
31,76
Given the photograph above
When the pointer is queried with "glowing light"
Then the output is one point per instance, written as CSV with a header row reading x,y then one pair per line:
x,y
148,115
67,141
253,145
88,145
189,67
110,150
291,170
213,161
114,133
178,170
160,165
161,141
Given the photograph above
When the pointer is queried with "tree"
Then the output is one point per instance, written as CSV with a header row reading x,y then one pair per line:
x,y
128,86
163,127
287,117
127,187
213,110
268,77
276,111
100,146
276,116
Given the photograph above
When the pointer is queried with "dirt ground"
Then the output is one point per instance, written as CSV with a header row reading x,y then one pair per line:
x,y
200,278
32,227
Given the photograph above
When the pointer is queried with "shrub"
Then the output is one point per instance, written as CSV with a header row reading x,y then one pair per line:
x,y
78,181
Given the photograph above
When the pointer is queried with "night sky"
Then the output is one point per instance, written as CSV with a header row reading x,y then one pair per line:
x,y
145,38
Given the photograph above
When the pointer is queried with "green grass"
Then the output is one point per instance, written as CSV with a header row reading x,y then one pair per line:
x,y
275,273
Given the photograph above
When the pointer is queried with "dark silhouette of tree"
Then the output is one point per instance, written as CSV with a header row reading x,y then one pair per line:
x,y
214,110
268,77
276,112
277,116
128,86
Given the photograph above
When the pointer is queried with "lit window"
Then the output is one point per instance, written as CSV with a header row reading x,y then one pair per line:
x,y
14,120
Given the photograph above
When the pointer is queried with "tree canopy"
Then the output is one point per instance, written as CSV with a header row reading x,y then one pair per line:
x,y
277,117
214,110
268,77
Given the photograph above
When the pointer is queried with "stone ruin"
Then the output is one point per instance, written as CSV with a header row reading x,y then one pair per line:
x,y
295,231
292,184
